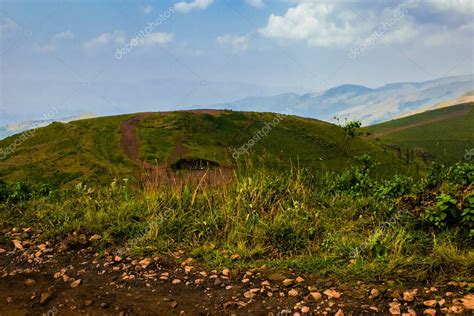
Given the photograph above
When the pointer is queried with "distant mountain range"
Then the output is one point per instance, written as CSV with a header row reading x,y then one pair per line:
x,y
357,102
16,128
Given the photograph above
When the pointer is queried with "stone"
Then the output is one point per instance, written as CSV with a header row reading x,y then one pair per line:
x,y
394,308
430,303
339,313
409,296
88,302
305,309
374,293
226,272
317,296
468,301
276,277
332,293
173,304
176,281
288,282
429,311
45,297
293,293
145,263
76,283
17,244
29,282
299,280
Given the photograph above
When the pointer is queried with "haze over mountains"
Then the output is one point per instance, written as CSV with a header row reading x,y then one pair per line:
x,y
358,102
346,101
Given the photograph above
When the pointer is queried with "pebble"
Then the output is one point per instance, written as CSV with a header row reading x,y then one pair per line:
x,y
288,282
430,303
317,296
374,293
29,282
76,283
332,293
409,296
293,293
45,297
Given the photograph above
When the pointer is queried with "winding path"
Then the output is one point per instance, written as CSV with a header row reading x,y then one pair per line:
x,y
152,174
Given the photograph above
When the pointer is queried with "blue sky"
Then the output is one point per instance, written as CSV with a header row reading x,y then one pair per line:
x,y
66,54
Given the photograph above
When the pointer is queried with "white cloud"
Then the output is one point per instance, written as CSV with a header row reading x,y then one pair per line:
x,y
343,23
8,25
320,24
147,9
185,7
115,37
53,43
458,6
157,38
45,48
256,3
237,43
64,36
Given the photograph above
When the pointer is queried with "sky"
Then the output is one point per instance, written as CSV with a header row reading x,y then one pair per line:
x,y
124,56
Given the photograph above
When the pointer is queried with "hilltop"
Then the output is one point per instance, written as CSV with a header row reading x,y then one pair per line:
x,y
160,144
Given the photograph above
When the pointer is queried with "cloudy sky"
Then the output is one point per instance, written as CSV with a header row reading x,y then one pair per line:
x,y
124,56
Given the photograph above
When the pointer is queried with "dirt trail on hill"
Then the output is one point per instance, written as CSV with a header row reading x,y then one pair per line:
x,y
163,174
461,112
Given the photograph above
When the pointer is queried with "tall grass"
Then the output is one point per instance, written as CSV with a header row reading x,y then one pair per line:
x,y
282,219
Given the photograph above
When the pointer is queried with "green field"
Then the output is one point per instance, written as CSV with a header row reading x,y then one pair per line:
x,y
445,134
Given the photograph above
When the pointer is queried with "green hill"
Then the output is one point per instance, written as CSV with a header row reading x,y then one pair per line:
x,y
100,149
442,135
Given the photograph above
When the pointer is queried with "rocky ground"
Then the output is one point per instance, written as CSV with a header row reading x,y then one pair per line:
x,y
70,278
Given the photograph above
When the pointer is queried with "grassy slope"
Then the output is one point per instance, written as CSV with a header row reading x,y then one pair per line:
x,y
73,152
89,150
310,143
447,140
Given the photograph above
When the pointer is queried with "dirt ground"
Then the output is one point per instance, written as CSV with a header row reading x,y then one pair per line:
x,y
70,278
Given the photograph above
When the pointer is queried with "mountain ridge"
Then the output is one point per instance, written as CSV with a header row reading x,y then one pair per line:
x,y
357,102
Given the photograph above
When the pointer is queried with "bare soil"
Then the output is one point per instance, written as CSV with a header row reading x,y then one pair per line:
x,y
156,175
73,279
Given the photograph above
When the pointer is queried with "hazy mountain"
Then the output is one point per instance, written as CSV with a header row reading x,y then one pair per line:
x,y
12,129
359,102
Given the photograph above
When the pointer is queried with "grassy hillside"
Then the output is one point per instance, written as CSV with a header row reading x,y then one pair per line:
x,y
90,150
445,134
61,153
